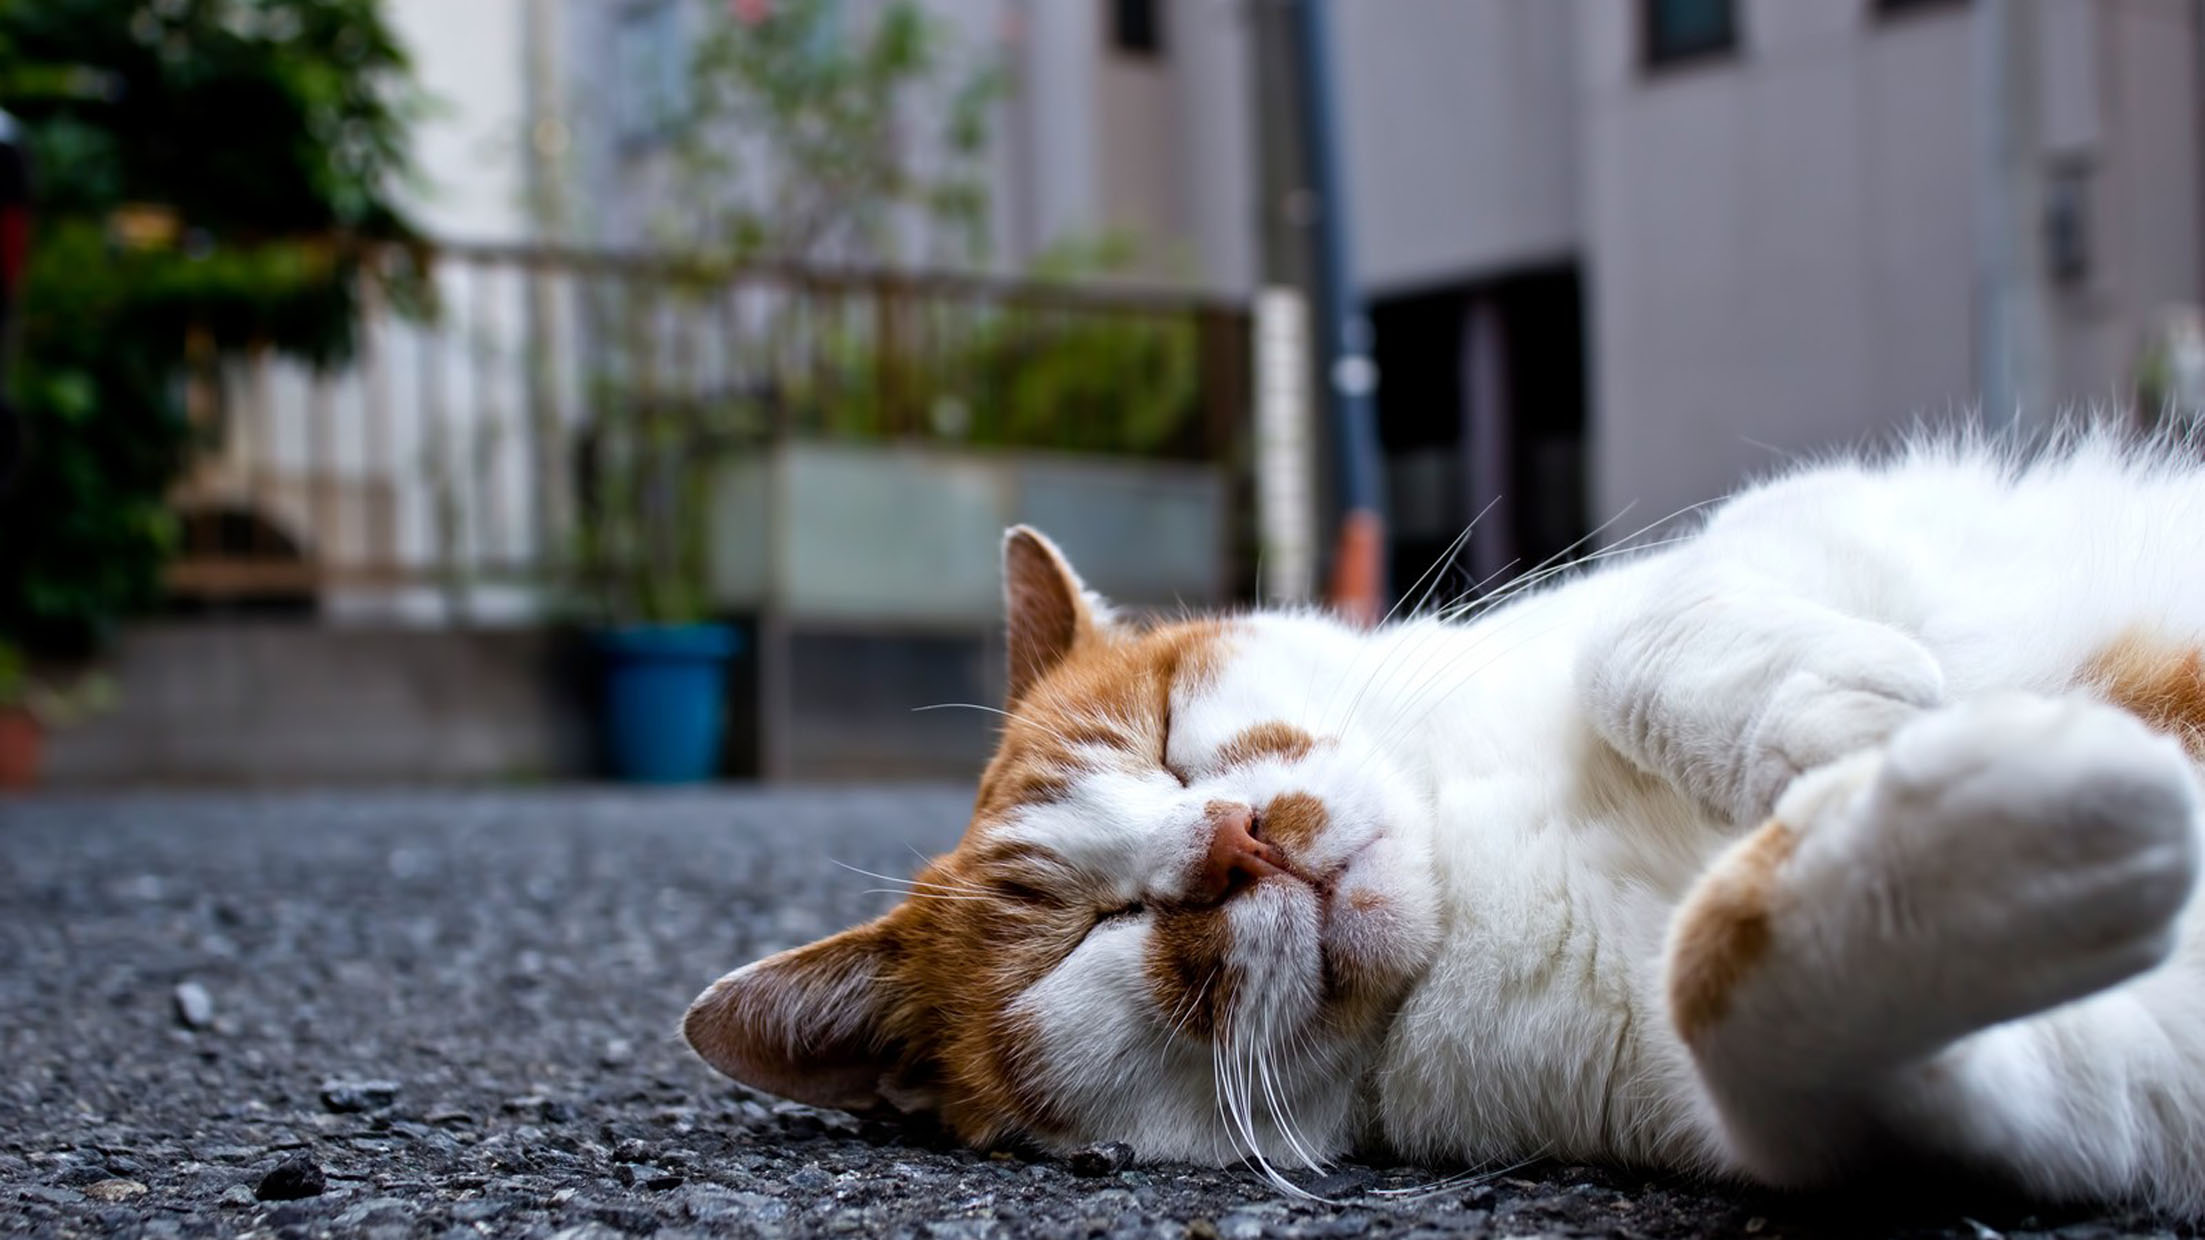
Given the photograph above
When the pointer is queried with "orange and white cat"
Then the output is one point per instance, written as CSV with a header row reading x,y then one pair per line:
x,y
1857,825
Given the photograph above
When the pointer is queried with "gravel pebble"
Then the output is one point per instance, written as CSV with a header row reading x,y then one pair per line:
x,y
516,959
344,1095
292,1179
1108,1158
114,1190
194,1006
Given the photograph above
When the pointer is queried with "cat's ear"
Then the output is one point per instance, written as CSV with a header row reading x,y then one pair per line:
x,y
1048,609
805,1024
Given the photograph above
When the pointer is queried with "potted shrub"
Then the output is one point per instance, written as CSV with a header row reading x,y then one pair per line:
x,y
644,476
29,706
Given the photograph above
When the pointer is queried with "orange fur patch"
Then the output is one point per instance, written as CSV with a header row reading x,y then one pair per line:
x,y
962,963
1185,964
1111,691
920,1005
1266,740
2161,682
1723,930
1293,821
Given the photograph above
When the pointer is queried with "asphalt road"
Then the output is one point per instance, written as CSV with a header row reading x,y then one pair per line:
x,y
452,1014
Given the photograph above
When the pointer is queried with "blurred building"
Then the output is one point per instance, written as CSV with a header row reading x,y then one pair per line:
x,y
1619,254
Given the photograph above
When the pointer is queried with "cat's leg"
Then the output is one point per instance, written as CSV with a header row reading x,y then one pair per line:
x,y
1879,969
1730,683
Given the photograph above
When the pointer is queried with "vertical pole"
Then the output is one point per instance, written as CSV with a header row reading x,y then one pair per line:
x,y
545,143
1486,406
1342,331
1284,458
2013,329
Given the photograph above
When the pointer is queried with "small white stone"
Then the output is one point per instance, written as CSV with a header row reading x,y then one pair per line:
x,y
114,1190
194,1006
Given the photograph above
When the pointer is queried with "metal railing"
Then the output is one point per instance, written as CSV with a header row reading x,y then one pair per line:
x,y
456,446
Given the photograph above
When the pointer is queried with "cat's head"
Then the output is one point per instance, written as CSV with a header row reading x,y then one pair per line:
x,y
1180,918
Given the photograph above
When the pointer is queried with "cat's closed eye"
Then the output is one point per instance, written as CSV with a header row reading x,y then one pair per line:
x,y
1122,912
1163,753
1022,893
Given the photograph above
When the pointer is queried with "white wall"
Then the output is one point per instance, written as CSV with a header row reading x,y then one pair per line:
x,y
1460,128
1215,83
469,57
423,399
2145,206
1780,243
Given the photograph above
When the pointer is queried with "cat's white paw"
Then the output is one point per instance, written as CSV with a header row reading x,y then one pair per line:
x,y
1863,683
2010,854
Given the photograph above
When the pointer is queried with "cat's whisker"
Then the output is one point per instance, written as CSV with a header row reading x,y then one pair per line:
x,y
1410,717
914,883
1559,562
1194,1003
1276,1178
1562,557
1433,572
1434,700
1474,1176
1563,561
1548,569
1433,693
1238,1124
1425,635
1425,697
1436,571
1281,1115
997,710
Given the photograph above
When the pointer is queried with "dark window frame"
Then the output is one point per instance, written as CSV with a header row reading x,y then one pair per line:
x,y
1137,28
1656,58
658,23
1901,10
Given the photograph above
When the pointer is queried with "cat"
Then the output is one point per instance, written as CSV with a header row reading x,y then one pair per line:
x,y
1860,824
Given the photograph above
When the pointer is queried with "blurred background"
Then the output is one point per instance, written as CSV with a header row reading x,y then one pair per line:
x,y
471,390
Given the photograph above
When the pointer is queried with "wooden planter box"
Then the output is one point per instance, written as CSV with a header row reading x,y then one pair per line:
x,y
902,543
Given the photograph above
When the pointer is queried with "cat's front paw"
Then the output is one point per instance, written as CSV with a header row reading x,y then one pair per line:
x,y
2011,854
1861,685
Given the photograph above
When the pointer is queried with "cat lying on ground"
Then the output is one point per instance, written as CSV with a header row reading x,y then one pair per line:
x,y
1860,825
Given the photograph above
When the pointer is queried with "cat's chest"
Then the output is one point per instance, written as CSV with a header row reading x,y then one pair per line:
x,y
1537,1023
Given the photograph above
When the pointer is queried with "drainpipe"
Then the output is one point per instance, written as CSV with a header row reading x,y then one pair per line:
x,y
1343,335
2013,325
544,147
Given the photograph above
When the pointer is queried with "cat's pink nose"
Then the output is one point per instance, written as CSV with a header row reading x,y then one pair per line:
x,y
1237,857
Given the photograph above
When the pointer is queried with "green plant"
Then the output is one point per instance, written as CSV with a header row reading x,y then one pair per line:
x,y
1121,381
216,171
647,471
784,145
52,704
788,142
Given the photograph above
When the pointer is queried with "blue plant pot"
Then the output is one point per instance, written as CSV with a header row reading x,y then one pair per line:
x,y
662,708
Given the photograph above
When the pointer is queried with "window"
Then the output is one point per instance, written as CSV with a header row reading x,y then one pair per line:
x,y
1135,27
2067,221
649,71
1677,30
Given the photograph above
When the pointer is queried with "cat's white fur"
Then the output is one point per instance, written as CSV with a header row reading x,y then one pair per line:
x,y
1977,951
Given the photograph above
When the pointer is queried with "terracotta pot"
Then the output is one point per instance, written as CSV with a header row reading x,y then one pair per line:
x,y
22,743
